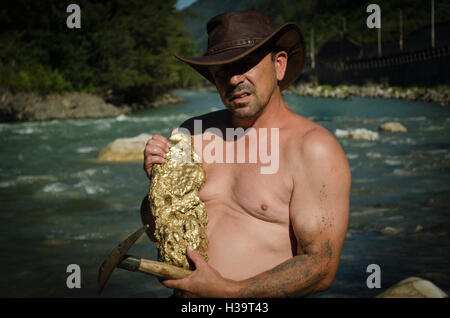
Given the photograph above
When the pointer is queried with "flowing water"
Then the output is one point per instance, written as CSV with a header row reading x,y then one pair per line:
x,y
59,206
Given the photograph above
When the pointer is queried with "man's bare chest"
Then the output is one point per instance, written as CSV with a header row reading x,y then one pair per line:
x,y
243,189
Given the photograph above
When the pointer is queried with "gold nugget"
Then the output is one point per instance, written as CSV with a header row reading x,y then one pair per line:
x,y
180,215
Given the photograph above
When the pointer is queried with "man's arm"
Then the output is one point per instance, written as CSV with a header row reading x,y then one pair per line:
x,y
318,214
319,211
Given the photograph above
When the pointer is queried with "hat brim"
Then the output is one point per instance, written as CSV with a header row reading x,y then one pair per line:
x,y
287,37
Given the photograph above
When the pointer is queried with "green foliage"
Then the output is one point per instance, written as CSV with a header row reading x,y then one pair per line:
x,y
125,46
36,78
314,79
327,88
399,89
345,88
419,90
384,81
442,88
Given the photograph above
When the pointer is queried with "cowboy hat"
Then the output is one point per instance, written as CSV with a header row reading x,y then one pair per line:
x,y
234,35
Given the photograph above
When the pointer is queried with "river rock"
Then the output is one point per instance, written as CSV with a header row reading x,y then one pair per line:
x,y
393,127
125,149
413,287
389,230
166,99
358,133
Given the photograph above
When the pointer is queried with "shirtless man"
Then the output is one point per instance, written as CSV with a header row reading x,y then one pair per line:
x,y
270,235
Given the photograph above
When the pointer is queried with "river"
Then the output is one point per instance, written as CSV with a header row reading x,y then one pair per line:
x,y
59,206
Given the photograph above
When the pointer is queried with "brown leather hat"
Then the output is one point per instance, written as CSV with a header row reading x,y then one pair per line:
x,y
234,35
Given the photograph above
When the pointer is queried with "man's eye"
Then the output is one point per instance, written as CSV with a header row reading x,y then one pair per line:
x,y
220,73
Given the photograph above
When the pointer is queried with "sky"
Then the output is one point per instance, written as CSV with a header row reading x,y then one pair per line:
x,y
181,4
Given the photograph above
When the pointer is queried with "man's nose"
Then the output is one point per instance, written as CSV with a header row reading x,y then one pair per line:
x,y
236,79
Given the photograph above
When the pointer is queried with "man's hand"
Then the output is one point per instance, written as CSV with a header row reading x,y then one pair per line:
x,y
155,152
205,281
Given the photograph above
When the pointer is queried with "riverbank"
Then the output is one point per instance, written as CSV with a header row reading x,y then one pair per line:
x,y
75,105
71,105
439,95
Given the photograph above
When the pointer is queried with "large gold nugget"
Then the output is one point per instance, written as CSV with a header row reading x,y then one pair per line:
x,y
180,215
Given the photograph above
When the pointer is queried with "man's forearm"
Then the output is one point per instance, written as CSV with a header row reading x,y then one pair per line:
x,y
297,277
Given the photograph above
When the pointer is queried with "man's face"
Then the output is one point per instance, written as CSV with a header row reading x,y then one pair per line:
x,y
246,86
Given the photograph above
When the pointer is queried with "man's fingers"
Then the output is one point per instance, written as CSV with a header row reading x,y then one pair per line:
x,y
149,161
156,144
173,283
156,159
154,150
195,257
161,139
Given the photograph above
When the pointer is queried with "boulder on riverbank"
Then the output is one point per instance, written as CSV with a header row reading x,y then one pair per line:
x,y
125,149
31,106
392,127
73,105
413,287
321,91
166,99
357,133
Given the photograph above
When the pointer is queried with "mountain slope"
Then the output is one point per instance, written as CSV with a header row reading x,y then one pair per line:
x,y
197,15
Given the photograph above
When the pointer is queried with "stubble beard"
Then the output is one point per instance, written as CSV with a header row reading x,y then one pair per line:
x,y
254,106
253,109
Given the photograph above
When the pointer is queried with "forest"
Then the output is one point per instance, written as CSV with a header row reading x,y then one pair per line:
x,y
123,50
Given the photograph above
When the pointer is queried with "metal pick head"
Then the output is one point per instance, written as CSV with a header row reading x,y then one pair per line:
x,y
116,256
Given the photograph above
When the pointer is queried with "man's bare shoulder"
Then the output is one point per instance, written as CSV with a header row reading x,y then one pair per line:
x,y
319,142
213,119
314,143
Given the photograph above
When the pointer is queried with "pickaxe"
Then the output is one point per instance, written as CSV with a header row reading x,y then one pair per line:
x,y
119,258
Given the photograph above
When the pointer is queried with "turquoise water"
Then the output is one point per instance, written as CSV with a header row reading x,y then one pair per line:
x,y
59,206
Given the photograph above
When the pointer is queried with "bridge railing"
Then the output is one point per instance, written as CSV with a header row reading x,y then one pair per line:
x,y
389,60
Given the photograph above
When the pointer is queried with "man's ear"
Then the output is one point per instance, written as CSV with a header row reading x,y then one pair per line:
x,y
280,64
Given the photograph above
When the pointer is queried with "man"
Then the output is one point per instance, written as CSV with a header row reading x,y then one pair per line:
x,y
270,235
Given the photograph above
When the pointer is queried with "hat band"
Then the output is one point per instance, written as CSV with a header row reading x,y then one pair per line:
x,y
234,44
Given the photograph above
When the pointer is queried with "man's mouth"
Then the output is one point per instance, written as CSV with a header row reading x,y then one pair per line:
x,y
240,97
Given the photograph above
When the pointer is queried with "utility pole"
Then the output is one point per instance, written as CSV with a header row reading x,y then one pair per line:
x,y
313,61
344,27
379,41
341,49
432,24
401,30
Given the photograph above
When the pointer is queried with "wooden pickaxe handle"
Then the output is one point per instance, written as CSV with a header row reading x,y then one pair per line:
x,y
158,269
